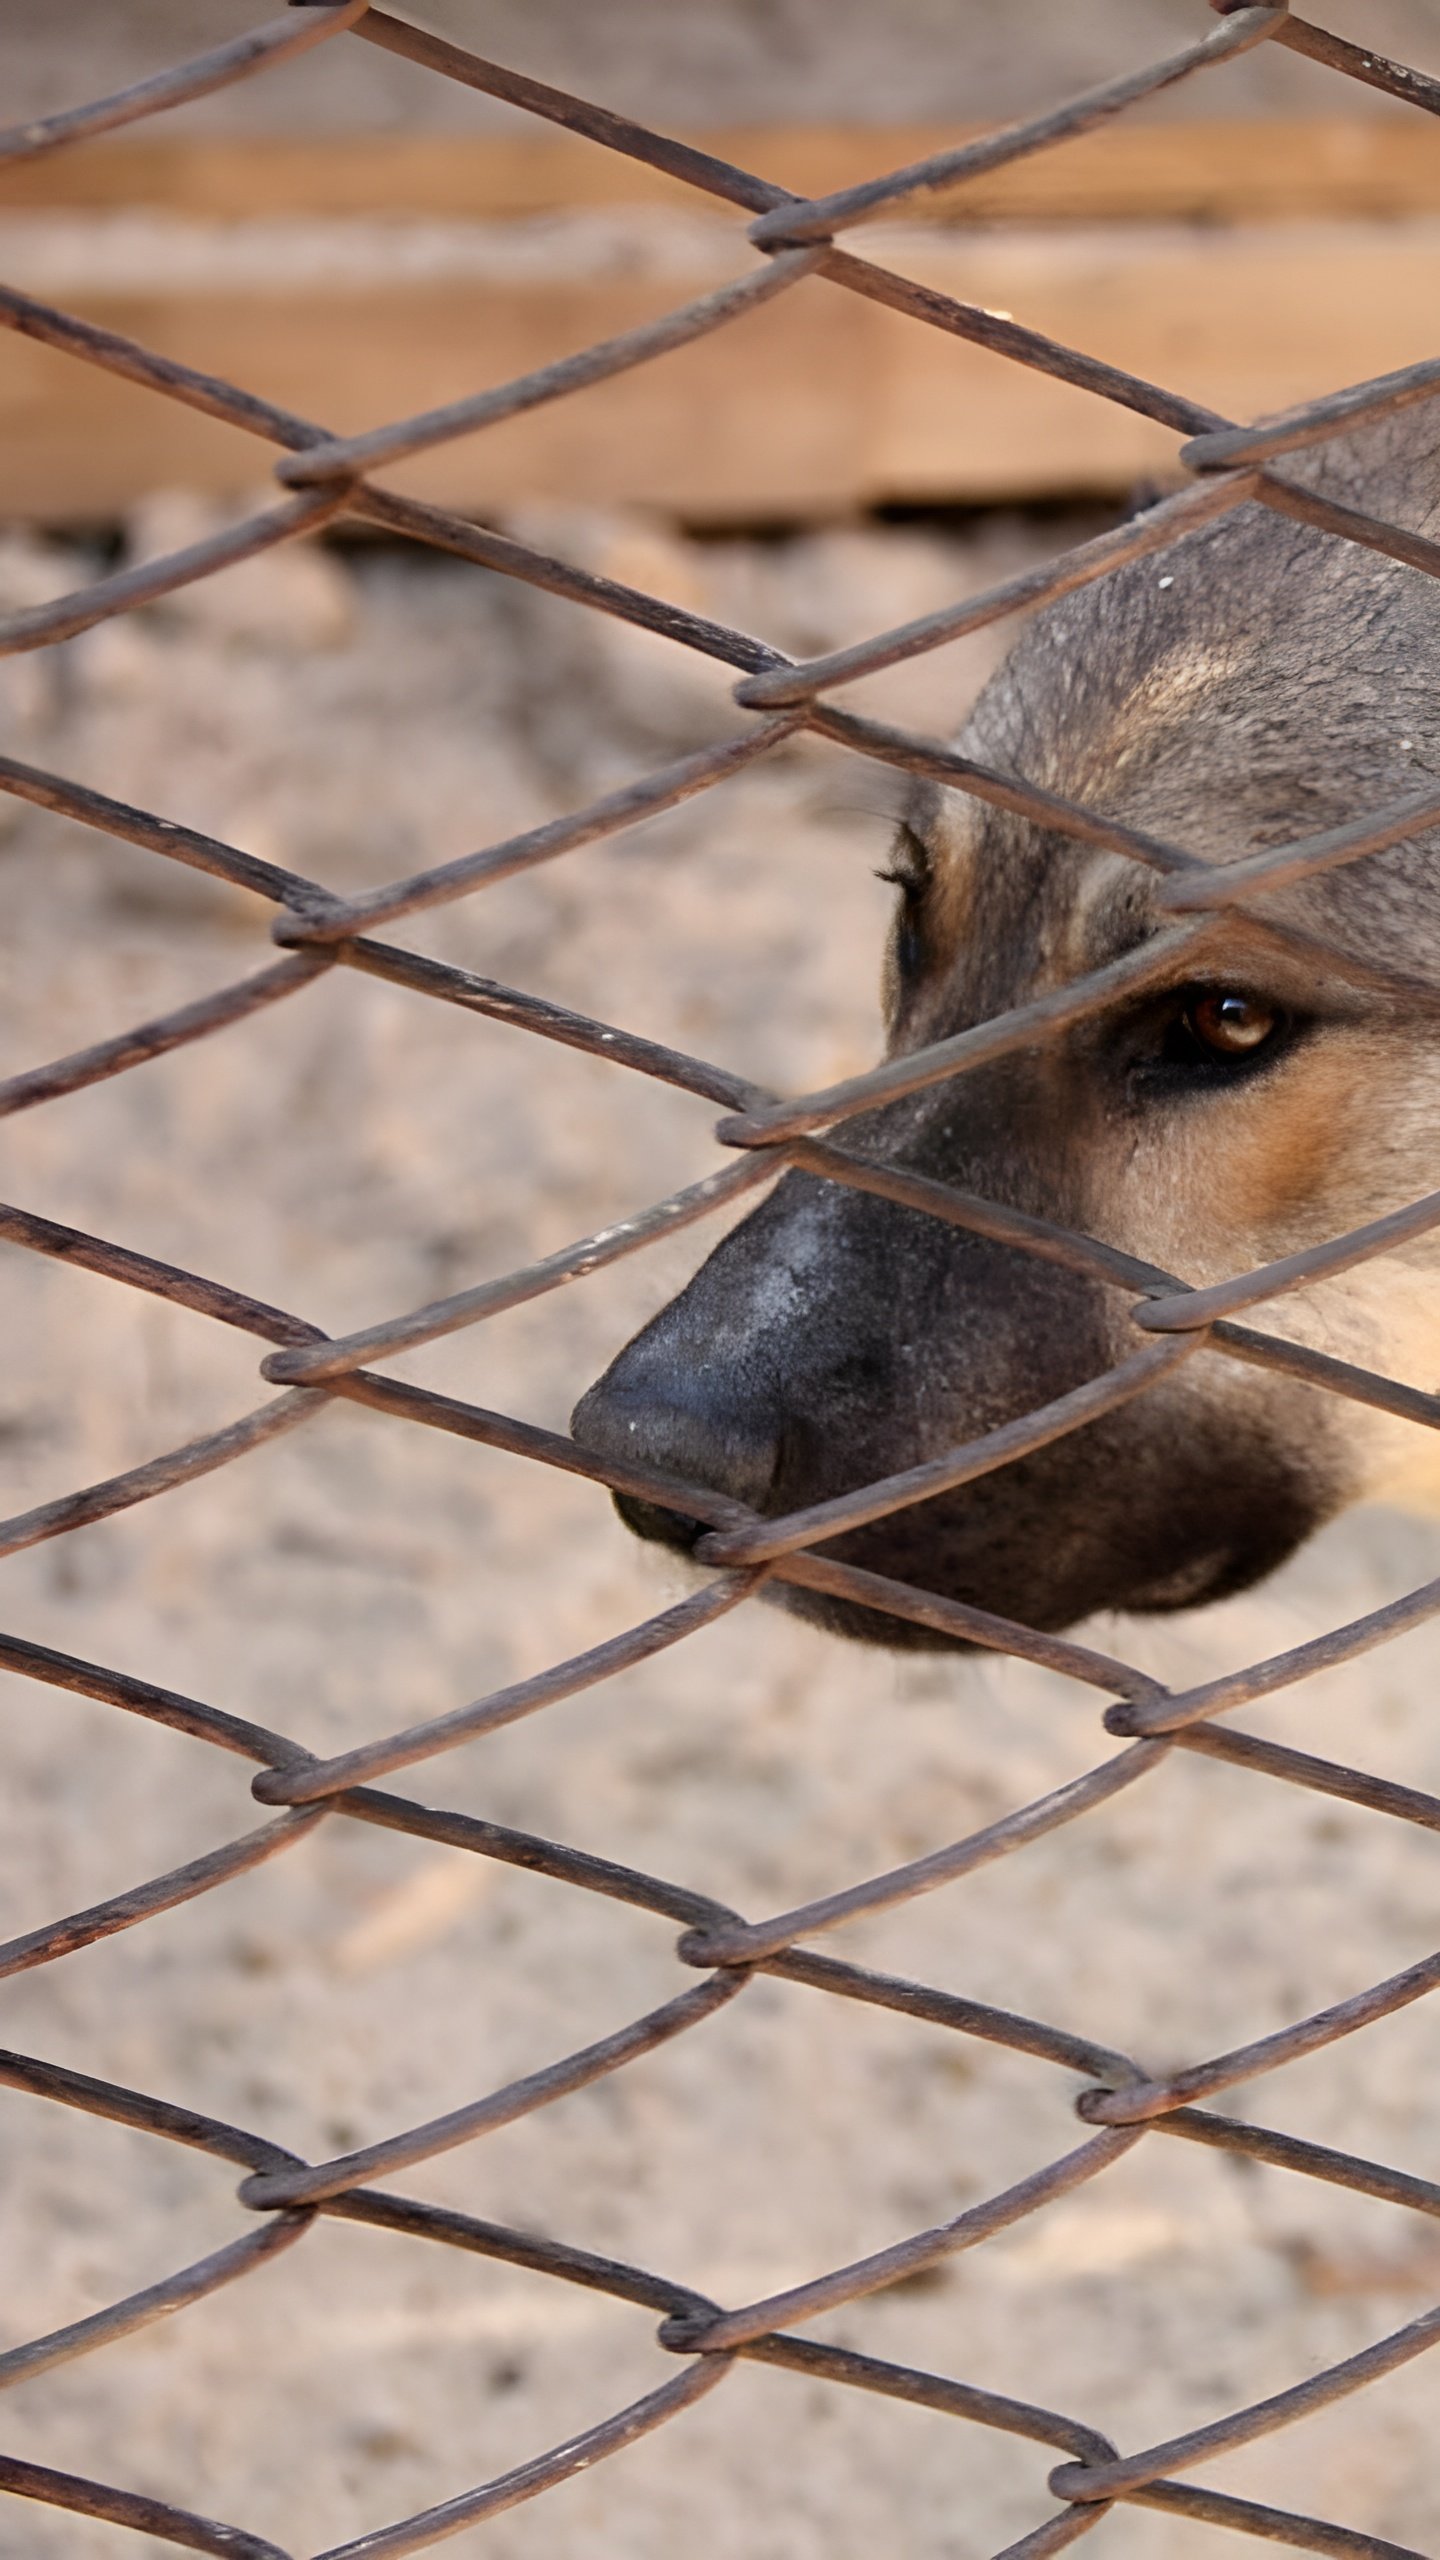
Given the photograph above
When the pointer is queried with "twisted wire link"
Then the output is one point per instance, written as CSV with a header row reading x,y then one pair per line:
x,y
1123,2103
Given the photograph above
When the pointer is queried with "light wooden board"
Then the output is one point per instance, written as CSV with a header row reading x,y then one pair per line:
x,y
1237,170
815,405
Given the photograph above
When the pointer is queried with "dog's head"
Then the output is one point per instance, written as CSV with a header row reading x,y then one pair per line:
x,y
1259,682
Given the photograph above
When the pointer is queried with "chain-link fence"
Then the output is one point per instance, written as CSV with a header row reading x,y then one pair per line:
x,y
1123,2103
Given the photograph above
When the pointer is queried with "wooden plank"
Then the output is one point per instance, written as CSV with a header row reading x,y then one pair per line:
x,y
1249,321
1239,170
814,405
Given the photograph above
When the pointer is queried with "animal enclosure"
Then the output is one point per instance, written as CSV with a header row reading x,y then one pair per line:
x,y
1124,2103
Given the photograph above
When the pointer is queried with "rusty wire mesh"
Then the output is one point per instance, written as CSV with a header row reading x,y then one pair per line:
x,y
1122,2103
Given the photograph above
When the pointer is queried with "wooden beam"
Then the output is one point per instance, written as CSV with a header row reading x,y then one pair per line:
x,y
1241,170
814,405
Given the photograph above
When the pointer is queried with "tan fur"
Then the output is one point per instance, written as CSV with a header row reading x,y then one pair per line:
x,y
1174,689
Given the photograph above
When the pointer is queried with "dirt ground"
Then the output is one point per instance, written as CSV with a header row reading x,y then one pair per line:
x,y
361,1150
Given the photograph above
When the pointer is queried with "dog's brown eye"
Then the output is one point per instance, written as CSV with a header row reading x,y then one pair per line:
x,y
1208,1037
1230,1025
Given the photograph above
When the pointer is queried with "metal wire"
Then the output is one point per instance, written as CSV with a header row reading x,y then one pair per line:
x,y
1124,2103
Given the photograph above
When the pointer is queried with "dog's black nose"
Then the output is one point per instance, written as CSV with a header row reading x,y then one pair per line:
x,y
662,1528
676,1420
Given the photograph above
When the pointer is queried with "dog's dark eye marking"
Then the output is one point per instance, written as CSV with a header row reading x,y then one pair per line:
x,y
1204,1039
909,871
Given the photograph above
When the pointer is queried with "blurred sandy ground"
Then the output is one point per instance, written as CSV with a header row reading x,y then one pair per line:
x,y
356,1152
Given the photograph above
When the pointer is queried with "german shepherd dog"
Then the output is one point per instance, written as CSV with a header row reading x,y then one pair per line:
x,y
1256,682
